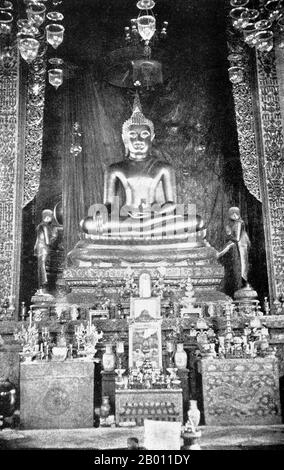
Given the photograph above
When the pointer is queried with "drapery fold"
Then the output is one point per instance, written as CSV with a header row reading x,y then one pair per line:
x,y
100,111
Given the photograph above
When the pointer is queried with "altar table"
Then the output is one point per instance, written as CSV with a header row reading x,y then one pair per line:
x,y
240,391
57,394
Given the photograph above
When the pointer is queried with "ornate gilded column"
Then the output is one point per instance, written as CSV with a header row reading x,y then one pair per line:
x,y
11,164
239,57
272,165
21,123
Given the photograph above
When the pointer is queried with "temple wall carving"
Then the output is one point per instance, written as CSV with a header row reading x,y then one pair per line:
x,y
241,391
21,130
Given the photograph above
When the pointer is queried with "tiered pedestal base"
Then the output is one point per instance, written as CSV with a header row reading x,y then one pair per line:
x,y
92,275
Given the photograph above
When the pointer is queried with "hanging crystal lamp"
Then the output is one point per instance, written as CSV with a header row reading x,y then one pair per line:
x,y
54,34
5,22
6,5
259,21
36,13
55,77
28,48
146,23
55,16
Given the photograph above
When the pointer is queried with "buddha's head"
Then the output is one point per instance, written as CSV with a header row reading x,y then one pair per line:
x,y
137,133
234,213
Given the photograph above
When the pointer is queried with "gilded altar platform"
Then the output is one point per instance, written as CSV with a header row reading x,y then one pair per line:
x,y
91,249
100,268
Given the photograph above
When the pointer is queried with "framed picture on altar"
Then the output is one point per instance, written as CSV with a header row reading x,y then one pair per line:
x,y
144,309
145,342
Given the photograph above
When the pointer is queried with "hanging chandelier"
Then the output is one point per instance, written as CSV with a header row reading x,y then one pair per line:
x,y
35,32
143,28
259,22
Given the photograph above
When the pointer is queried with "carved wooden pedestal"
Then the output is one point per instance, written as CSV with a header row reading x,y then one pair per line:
x,y
88,282
240,391
57,394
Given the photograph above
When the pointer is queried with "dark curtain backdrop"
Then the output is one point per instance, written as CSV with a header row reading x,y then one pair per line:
x,y
99,109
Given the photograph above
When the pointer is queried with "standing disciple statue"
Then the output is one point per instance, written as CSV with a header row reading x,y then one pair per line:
x,y
46,235
237,235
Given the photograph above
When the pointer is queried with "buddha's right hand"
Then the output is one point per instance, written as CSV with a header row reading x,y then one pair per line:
x,y
92,225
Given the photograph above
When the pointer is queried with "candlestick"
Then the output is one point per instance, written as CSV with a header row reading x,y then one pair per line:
x,y
23,311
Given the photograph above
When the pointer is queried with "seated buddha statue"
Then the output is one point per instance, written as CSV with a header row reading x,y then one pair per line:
x,y
148,207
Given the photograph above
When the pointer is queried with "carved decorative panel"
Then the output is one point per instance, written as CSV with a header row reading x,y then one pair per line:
x,y
273,162
34,128
57,395
245,119
241,391
8,171
21,126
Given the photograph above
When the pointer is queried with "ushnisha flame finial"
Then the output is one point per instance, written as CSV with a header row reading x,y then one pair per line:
x,y
137,118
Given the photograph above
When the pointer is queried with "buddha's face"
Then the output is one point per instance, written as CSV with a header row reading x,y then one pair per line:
x,y
139,141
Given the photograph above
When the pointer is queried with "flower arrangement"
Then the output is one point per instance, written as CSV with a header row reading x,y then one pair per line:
x,y
28,337
159,287
128,286
177,334
87,338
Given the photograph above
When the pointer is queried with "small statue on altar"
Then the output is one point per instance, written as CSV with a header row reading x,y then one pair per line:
x,y
46,236
237,235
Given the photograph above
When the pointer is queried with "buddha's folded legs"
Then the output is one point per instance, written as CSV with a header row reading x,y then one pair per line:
x,y
169,225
